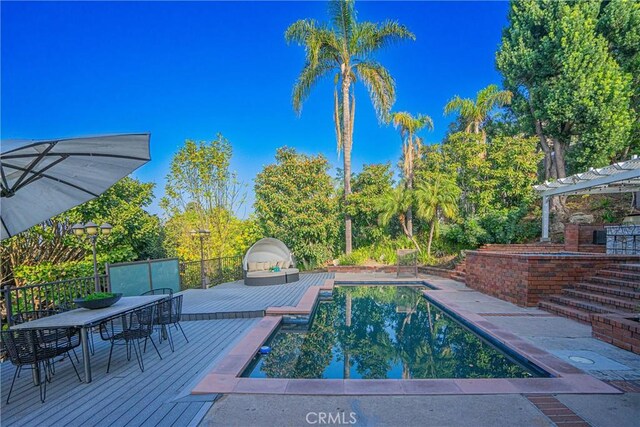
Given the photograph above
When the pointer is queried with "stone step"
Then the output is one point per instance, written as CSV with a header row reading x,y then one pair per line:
x,y
620,283
615,303
620,274
581,304
609,290
626,267
563,310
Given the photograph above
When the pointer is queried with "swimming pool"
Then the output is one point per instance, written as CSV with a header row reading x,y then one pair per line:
x,y
385,332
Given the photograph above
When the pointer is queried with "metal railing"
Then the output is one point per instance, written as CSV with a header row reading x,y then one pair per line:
x,y
216,271
58,295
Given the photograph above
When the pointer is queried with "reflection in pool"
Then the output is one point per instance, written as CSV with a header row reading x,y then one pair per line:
x,y
378,332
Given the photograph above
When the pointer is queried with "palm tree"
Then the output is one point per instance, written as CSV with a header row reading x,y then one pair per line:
x,y
395,204
436,197
344,48
409,126
474,113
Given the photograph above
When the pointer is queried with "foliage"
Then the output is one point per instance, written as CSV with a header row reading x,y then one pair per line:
x,y
567,86
296,203
369,185
345,49
98,296
474,113
203,193
49,252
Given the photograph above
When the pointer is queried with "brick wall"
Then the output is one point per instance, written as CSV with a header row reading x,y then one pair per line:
x,y
621,331
579,238
523,279
527,247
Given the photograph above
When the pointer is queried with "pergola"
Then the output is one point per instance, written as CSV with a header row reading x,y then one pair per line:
x,y
623,177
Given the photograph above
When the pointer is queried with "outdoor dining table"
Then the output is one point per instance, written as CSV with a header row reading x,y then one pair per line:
x,y
85,319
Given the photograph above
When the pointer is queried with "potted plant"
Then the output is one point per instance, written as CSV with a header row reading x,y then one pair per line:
x,y
98,300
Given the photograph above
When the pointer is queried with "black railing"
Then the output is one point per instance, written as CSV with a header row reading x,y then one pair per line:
x,y
57,295
216,271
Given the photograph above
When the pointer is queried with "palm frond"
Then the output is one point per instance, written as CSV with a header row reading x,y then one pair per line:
x,y
299,31
308,77
343,17
369,37
380,85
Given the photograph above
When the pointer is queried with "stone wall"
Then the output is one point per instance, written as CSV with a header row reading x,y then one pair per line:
x,y
523,279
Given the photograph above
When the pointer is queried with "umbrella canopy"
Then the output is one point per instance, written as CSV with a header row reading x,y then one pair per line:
x,y
41,179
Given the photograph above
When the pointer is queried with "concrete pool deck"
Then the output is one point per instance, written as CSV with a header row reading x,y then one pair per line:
x,y
558,337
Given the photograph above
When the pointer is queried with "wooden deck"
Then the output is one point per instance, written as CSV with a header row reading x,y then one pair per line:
x,y
126,396
160,394
235,299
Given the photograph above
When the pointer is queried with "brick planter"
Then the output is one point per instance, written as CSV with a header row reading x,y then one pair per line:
x,y
620,330
524,278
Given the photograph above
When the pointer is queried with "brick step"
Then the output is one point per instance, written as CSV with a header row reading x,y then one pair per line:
x,y
581,304
620,274
563,310
609,290
627,267
618,304
627,284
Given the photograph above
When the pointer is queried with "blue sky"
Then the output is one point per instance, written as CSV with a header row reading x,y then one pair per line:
x,y
191,70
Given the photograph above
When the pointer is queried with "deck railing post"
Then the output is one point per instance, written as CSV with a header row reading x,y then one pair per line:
x,y
7,302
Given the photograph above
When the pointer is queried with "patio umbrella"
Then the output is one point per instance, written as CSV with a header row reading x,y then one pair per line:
x,y
41,179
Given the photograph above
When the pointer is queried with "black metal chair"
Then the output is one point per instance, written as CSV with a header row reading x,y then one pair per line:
x,y
169,312
35,349
159,291
28,316
128,329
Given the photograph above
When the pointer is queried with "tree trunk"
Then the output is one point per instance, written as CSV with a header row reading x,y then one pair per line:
x,y
433,227
558,157
409,184
347,141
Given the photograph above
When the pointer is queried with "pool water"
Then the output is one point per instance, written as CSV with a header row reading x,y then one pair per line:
x,y
383,332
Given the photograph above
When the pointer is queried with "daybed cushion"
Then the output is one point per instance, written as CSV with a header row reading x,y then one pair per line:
x,y
264,273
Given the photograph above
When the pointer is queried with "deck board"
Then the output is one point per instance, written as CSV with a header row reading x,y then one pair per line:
x,y
125,396
237,297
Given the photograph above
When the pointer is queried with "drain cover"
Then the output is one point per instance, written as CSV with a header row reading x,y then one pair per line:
x,y
580,359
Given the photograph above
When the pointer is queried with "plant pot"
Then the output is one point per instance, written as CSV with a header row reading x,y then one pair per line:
x,y
97,303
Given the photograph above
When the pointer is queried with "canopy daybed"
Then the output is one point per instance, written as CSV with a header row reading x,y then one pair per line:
x,y
269,262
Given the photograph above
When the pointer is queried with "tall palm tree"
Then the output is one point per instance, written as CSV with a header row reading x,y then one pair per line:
x,y
436,197
344,48
475,112
409,126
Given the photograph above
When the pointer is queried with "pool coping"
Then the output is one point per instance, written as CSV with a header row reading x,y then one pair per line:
x,y
225,377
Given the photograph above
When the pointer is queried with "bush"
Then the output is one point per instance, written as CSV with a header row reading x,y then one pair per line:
x,y
48,272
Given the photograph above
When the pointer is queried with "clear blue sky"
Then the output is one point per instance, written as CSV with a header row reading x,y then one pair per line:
x,y
191,70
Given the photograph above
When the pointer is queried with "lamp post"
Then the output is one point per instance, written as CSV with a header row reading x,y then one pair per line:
x,y
202,234
91,231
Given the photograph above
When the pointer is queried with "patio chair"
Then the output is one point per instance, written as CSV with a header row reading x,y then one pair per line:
x,y
128,329
35,349
28,316
169,313
159,291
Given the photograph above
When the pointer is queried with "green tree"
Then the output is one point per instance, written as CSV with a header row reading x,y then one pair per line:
x,y
566,84
619,23
371,183
49,251
409,126
344,48
395,204
203,193
474,113
296,203
436,197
